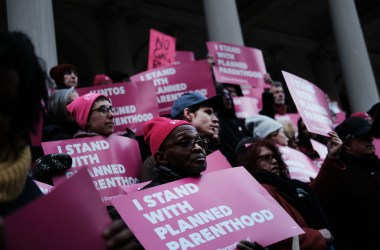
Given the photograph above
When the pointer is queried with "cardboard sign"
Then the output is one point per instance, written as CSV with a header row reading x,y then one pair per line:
x,y
134,104
216,161
245,106
161,50
300,166
184,56
70,217
311,103
111,161
237,64
320,148
173,81
255,93
45,188
206,213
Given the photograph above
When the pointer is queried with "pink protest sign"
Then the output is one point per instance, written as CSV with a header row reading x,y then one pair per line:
x,y
254,93
134,105
173,81
206,213
299,165
161,50
292,117
320,148
216,161
111,161
70,217
311,104
45,188
134,187
237,64
184,56
245,106
339,118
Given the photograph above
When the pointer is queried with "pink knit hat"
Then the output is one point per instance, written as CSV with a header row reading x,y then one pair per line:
x,y
157,129
80,108
99,79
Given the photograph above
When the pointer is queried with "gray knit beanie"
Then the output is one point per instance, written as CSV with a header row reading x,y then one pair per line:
x,y
261,126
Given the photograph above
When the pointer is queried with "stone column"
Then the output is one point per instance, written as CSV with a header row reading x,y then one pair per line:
x,y
357,71
223,21
35,18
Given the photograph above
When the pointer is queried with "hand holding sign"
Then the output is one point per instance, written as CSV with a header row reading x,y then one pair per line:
x,y
334,145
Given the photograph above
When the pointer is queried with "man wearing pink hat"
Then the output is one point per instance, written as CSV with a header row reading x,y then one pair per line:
x,y
177,148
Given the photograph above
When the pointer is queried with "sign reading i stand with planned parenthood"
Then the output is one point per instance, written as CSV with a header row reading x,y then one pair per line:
x,y
311,103
206,213
173,81
237,64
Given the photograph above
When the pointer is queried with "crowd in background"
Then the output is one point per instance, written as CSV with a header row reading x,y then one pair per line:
x,y
339,209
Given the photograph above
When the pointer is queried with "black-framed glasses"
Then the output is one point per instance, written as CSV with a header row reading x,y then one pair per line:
x,y
105,110
267,158
189,144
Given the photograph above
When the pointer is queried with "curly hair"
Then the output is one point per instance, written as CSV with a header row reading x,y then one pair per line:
x,y
17,54
248,157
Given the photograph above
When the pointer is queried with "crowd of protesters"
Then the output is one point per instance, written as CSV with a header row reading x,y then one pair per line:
x,y
339,209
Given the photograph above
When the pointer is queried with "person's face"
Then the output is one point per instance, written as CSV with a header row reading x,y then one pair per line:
x,y
361,146
101,118
266,160
182,153
70,78
9,85
205,121
280,138
278,94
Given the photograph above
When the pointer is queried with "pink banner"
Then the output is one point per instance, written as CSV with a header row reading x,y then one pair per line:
x,y
131,102
245,106
45,188
206,213
184,56
70,217
237,64
161,50
311,104
300,166
173,81
255,93
111,161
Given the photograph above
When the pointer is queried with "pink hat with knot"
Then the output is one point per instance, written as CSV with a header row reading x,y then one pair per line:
x,y
157,129
80,108
102,79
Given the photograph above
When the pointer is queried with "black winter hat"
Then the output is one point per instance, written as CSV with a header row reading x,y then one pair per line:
x,y
353,126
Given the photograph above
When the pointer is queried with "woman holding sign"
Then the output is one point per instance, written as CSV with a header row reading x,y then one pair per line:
x,y
263,160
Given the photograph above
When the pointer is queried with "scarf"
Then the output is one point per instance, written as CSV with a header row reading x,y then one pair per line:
x,y
13,175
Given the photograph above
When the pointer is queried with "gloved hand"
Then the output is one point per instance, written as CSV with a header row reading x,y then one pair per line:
x,y
49,165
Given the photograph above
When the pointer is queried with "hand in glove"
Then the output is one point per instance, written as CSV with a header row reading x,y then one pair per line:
x,y
49,165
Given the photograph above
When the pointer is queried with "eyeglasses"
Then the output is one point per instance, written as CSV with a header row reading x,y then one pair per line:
x,y
267,158
105,110
188,145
